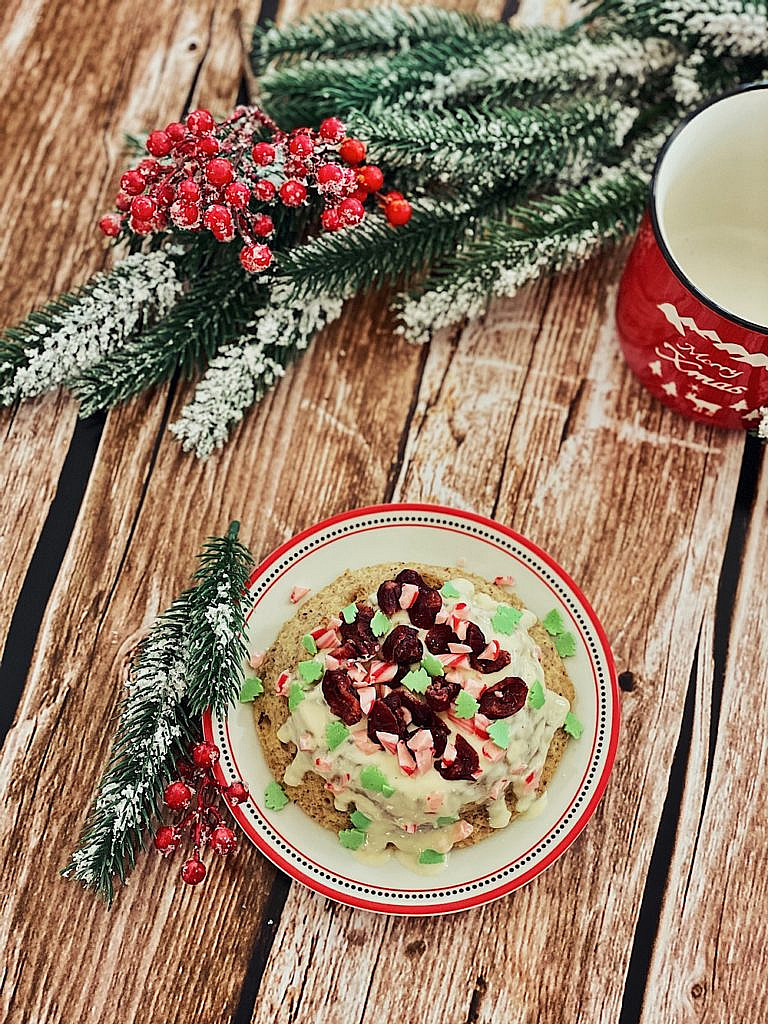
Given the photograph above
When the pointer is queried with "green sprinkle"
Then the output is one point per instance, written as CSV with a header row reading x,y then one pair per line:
x,y
536,696
506,619
359,820
310,671
499,733
380,623
466,705
309,643
349,614
573,726
432,665
565,645
252,687
553,623
351,838
446,821
295,696
431,857
274,797
448,590
416,680
373,778
335,734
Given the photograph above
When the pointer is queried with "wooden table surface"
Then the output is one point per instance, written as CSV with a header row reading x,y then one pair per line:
x,y
658,911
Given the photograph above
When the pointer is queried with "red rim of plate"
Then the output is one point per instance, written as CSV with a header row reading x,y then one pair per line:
x,y
487,896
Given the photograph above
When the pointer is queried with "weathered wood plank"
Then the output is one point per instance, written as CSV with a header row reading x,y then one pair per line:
x,y
531,415
74,79
713,928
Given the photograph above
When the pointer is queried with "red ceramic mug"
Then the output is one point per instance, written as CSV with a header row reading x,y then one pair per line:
x,y
692,311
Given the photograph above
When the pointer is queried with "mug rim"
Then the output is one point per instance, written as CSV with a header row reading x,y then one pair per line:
x,y
665,251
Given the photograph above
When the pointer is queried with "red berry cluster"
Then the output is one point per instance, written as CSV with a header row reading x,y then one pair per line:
x,y
193,796
221,177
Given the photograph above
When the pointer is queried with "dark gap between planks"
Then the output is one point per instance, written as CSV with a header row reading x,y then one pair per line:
x,y
646,931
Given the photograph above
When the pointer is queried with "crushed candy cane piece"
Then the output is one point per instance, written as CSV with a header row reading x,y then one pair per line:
x,y
382,671
297,593
433,802
410,828
421,740
459,648
281,686
338,783
475,687
405,758
491,651
408,595
388,740
461,629
498,788
327,640
442,616
460,610
306,742
491,752
364,744
423,760
367,695
449,754
331,663
325,764
257,658
504,581
529,779
462,830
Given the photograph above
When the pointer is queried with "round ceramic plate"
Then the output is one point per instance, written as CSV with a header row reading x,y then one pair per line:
x,y
507,859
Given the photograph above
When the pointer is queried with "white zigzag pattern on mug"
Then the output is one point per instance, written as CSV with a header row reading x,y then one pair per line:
x,y
739,353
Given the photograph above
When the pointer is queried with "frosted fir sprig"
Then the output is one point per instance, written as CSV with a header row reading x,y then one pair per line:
x,y
216,642
547,235
242,373
154,729
611,67
59,342
480,149
194,651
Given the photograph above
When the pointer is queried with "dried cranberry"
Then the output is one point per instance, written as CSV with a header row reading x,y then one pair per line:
x,y
394,703
486,667
341,697
347,652
440,696
504,699
402,646
466,764
388,596
381,718
402,672
475,638
410,576
424,609
440,733
438,638
360,633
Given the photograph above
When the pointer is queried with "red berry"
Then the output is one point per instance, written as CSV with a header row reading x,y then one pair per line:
x,y
159,143
331,220
218,220
398,212
141,227
148,167
193,872
189,190
123,201
292,193
296,168
200,121
361,194
264,190
184,214
255,257
370,178
237,194
166,840
332,129
143,208
204,755
327,173
176,132
390,197
237,792
110,224
301,145
207,145
263,154
133,183
352,150
219,172
160,220
351,211
263,225
223,840
177,795
166,194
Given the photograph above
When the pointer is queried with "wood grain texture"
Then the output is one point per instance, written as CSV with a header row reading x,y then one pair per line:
x,y
530,415
713,930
